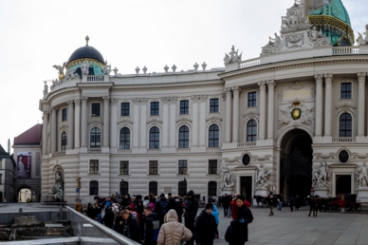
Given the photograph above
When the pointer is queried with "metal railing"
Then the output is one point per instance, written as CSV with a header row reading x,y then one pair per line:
x,y
86,232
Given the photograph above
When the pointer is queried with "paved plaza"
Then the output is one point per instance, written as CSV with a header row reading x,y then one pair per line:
x,y
296,227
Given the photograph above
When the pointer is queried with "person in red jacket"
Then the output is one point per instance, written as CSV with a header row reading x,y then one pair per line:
x,y
234,207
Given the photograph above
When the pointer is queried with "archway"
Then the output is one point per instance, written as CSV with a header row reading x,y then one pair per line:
x,y
24,195
296,164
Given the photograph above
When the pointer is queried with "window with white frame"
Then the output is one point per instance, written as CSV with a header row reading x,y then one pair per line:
x,y
125,138
124,167
63,141
95,138
183,166
213,136
184,137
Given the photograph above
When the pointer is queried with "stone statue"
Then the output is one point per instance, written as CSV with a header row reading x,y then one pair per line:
x,y
60,69
58,177
107,68
233,56
262,177
362,176
85,67
320,176
361,40
314,34
227,179
56,192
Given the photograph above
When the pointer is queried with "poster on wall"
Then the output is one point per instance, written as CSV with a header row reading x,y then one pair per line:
x,y
24,165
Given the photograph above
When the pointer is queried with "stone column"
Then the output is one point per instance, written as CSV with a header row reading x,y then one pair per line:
x,y
136,123
228,116
361,103
318,103
44,132
262,110
143,122
173,116
70,125
53,130
328,104
271,109
202,120
165,122
113,128
84,126
105,133
236,92
195,118
77,116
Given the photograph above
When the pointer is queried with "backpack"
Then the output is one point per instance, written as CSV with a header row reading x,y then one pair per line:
x,y
164,206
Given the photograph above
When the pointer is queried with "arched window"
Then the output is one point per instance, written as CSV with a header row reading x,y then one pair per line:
x,y
212,189
183,137
95,138
124,188
93,187
152,188
154,138
213,136
182,187
252,131
345,125
63,141
125,138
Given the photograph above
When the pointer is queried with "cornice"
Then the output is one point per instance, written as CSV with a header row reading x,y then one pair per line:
x,y
168,86
291,64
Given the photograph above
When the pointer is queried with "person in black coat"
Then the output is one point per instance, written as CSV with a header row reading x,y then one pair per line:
x,y
152,226
128,226
205,226
191,209
178,206
237,232
162,206
108,218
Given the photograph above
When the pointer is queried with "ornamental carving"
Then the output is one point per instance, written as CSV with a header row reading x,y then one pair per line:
x,y
297,114
233,56
363,40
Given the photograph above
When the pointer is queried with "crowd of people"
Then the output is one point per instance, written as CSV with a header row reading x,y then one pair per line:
x,y
159,221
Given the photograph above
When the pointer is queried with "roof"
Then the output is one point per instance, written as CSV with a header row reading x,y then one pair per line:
x,y
31,136
3,152
86,52
335,9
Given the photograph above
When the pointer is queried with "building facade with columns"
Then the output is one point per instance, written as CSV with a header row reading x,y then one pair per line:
x,y
293,119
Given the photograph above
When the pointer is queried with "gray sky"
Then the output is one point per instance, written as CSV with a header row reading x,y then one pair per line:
x,y
35,35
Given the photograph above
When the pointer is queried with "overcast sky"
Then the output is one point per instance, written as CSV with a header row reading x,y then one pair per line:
x,y
35,35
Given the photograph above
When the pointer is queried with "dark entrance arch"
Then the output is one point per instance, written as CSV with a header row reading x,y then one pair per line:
x,y
296,164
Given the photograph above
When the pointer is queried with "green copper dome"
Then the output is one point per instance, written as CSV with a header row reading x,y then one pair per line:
x,y
335,23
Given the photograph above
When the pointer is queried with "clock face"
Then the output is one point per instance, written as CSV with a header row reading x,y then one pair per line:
x,y
296,113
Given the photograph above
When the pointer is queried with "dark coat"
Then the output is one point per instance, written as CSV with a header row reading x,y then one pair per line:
x,y
232,236
243,218
108,218
129,228
191,206
152,227
205,228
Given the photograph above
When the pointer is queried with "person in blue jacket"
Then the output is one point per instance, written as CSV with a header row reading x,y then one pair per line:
x,y
215,213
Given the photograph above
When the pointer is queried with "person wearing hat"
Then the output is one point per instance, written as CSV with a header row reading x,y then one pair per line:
x,y
205,226
237,232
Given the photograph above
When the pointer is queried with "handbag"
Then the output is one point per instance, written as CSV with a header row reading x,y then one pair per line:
x,y
172,237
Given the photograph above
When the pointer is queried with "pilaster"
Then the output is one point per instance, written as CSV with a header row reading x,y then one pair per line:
x,y
113,126
318,104
236,92
361,103
271,109
84,126
77,116
53,129
262,109
228,116
44,132
70,125
105,133
328,104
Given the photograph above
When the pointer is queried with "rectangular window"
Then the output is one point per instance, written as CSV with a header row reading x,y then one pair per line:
x,y
184,107
93,187
153,167
96,109
124,167
252,99
346,91
212,167
125,109
155,108
183,167
93,166
64,115
214,105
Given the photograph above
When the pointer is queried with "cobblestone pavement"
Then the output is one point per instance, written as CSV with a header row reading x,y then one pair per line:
x,y
296,227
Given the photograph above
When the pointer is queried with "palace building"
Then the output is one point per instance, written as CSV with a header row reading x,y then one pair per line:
x,y
293,119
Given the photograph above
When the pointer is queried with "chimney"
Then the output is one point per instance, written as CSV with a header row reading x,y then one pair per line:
x,y
9,146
